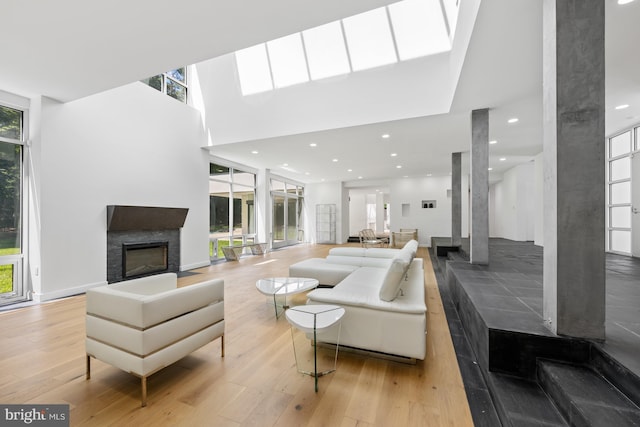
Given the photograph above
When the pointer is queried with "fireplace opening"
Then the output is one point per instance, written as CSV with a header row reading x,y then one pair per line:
x,y
143,259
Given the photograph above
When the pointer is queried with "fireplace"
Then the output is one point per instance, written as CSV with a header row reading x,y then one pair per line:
x,y
143,259
143,240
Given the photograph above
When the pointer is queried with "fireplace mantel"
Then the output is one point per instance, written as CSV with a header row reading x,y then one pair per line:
x,y
127,218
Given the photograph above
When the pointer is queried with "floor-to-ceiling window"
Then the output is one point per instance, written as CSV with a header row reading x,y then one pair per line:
x,y
231,208
11,185
620,150
288,206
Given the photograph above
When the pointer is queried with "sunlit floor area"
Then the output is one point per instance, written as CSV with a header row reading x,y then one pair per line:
x,y
256,383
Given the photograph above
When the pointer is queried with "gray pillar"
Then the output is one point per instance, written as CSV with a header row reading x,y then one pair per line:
x,y
480,187
574,167
456,199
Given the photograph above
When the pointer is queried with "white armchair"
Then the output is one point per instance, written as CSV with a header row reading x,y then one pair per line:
x,y
143,325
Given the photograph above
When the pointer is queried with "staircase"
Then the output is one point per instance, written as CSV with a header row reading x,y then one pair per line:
x,y
585,397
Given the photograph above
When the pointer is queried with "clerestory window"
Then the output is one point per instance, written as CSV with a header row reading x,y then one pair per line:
x,y
173,83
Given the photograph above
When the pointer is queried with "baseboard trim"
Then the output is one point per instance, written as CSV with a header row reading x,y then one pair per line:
x,y
194,265
63,293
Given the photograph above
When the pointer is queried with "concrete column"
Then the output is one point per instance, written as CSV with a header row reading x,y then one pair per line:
x,y
480,186
456,199
574,167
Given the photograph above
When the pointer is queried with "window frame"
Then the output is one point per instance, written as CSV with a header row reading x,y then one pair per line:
x,y
165,77
18,260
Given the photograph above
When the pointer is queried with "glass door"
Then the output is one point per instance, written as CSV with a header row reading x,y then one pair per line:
x,y
11,181
231,208
288,202
279,221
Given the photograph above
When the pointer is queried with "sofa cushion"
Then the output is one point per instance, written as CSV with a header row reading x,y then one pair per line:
x,y
359,261
382,253
411,245
362,289
318,268
364,252
393,278
357,252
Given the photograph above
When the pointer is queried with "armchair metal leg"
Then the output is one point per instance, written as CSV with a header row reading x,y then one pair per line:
x,y
88,375
143,383
222,344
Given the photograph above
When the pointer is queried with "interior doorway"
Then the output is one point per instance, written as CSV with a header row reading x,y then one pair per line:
x,y
369,208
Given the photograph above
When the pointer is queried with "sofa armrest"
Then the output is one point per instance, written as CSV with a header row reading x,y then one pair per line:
x,y
143,311
149,285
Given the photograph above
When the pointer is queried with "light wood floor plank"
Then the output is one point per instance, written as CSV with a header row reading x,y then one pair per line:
x,y
256,383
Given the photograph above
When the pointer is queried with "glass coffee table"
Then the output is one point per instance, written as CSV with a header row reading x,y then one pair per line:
x,y
281,287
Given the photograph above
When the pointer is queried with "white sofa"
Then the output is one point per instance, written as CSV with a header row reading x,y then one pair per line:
x,y
341,262
382,291
145,324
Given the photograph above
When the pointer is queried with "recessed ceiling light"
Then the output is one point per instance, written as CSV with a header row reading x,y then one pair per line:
x,y
399,167
359,177
624,1
493,142
285,164
254,152
335,160
502,159
622,107
313,144
489,169
349,170
385,135
512,120
394,154
307,173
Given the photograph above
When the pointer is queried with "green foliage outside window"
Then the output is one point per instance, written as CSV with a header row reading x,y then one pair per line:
x,y
10,123
173,83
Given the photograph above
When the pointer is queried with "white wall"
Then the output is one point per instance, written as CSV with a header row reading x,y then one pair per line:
x,y
429,222
511,204
413,88
130,146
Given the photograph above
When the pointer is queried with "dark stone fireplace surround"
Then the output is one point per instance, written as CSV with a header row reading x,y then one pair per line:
x,y
142,224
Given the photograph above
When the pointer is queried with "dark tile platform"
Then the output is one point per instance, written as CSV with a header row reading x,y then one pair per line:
x,y
498,310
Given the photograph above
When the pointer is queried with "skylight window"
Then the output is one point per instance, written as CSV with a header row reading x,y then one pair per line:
x,y
419,28
253,70
401,31
288,63
451,13
326,52
369,39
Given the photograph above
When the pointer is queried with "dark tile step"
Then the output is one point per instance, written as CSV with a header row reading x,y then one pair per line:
x,y
523,403
584,397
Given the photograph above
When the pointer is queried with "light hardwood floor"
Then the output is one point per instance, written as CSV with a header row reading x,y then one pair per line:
x,y
42,360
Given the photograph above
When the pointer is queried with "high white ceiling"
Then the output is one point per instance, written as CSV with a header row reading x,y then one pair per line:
x,y
70,49
502,71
